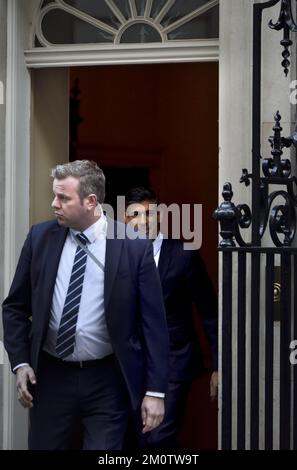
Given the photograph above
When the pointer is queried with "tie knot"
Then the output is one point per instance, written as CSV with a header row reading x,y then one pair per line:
x,y
82,238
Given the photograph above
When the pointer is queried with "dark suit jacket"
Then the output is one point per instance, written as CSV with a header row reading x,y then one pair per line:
x,y
134,307
185,280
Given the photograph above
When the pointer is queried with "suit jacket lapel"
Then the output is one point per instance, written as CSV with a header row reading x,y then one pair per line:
x,y
55,244
164,260
114,245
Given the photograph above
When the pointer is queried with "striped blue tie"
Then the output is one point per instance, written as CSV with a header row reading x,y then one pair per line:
x,y
66,333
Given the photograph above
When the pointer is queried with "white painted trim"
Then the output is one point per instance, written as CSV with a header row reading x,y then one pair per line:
x,y
16,218
9,218
140,20
1,93
84,17
190,16
1,353
74,12
163,11
133,8
34,21
204,50
116,11
148,8
10,147
125,23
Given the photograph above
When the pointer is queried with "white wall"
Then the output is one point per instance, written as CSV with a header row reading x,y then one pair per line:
x,y
16,203
2,134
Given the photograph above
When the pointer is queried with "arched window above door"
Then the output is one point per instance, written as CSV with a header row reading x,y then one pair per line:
x,y
79,22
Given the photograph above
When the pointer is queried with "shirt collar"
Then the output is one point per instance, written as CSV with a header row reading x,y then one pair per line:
x,y
96,231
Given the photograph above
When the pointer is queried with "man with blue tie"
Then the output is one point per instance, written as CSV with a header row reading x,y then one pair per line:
x,y
84,321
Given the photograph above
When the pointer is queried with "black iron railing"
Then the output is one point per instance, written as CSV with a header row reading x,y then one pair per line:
x,y
251,291
234,311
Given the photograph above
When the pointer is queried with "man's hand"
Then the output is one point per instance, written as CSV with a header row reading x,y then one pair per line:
x,y
214,382
25,375
152,412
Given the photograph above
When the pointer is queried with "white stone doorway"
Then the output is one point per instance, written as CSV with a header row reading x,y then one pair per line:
x,y
20,145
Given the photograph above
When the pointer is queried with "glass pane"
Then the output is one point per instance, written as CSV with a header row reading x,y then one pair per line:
x,y
180,9
37,43
98,10
157,7
60,27
202,27
140,5
123,6
140,33
46,2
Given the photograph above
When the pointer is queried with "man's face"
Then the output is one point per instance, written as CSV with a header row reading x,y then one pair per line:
x,y
69,210
144,217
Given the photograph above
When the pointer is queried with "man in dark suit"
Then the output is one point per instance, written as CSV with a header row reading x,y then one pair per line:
x,y
184,281
84,321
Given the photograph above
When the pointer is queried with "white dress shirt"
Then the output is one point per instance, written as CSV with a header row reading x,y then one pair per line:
x,y
157,245
92,340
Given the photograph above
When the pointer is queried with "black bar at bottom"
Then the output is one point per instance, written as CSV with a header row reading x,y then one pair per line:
x,y
285,379
241,352
226,431
255,325
269,296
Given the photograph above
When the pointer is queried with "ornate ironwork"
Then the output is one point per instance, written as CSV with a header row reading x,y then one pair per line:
x,y
287,23
274,203
281,217
275,209
275,166
232,218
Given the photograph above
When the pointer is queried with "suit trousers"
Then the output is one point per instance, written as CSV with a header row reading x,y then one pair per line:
x,y
66,394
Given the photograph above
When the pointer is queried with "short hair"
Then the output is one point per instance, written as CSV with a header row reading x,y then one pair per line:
x,y
90,176
140,194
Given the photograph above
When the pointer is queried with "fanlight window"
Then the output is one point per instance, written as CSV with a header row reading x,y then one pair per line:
x,y
62,22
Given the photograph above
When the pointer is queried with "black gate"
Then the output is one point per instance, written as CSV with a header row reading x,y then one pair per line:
x,y
260,283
